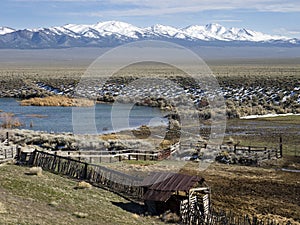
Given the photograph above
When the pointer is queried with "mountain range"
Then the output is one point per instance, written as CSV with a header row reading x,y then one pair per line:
x,y
113,33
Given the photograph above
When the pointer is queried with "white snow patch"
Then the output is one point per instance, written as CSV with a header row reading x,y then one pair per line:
x,y
6,30
268,116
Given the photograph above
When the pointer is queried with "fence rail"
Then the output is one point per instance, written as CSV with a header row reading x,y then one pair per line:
x,y
113,156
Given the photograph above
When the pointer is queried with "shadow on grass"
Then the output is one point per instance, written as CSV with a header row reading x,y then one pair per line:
x,y
131,207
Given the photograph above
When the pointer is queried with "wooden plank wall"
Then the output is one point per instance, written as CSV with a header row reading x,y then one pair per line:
x,y
95,174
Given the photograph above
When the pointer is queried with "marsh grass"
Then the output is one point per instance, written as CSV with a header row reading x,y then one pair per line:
x,y
9,121
58,101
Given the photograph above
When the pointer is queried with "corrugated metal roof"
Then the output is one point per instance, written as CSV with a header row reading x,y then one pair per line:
x,y
161,185
160,196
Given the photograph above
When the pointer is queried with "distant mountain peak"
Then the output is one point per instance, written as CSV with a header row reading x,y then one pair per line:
x,y
112,33
6,30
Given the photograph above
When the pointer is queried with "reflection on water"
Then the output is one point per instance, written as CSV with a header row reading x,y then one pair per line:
x,y
59,119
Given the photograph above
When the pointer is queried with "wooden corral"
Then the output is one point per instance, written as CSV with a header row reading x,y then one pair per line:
x,y
186,195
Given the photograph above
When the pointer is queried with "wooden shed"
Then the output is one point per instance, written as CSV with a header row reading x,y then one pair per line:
x,y
187,196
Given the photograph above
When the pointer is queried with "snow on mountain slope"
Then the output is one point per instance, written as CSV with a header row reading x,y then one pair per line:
x,y
161,30
209,32
6,30
106,29
114,33
218,32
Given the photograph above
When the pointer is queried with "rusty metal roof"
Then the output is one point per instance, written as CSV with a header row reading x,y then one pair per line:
x,y
160,185
159,196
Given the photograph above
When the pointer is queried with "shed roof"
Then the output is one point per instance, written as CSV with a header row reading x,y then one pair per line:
x,y
161,185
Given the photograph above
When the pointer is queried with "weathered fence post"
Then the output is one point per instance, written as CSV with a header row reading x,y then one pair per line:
x,y
280,146
85,172
32,158
7,138
54,161
12,152
18,154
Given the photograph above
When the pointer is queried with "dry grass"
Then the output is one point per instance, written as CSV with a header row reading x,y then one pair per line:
x,y
58,101
51,199
83,185
9,121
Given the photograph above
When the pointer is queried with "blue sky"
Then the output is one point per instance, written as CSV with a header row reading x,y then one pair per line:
x,y
270,16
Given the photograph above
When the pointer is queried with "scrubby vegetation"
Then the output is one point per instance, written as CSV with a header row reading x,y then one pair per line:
x,y
248,87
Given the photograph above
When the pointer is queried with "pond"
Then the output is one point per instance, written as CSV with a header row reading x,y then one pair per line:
x,y
59,119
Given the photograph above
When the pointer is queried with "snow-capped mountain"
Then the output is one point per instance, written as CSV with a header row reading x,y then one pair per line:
x,y
6,30
112,33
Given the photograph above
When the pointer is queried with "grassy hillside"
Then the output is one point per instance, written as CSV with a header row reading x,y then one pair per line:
x,y
51,199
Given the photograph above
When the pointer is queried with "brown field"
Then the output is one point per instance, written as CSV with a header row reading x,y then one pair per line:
x,y
256,191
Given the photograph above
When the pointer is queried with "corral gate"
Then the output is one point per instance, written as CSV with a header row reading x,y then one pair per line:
x,y
196,208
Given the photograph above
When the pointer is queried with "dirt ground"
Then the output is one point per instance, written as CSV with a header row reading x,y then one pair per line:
x,y
264,192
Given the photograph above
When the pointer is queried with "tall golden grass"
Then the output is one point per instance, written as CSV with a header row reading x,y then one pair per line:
x,y
58,101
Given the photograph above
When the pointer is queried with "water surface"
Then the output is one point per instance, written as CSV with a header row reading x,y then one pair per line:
x,y
59,119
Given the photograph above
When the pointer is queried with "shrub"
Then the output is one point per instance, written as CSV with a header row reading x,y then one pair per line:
x,y
83,185
35,171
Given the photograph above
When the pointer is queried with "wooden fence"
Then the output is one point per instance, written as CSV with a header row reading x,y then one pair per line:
x,y
92,156
95,174
238,148
128,186
228,218
256,149
7,153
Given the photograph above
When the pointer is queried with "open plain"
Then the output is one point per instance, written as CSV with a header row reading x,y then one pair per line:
x,y
250,87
